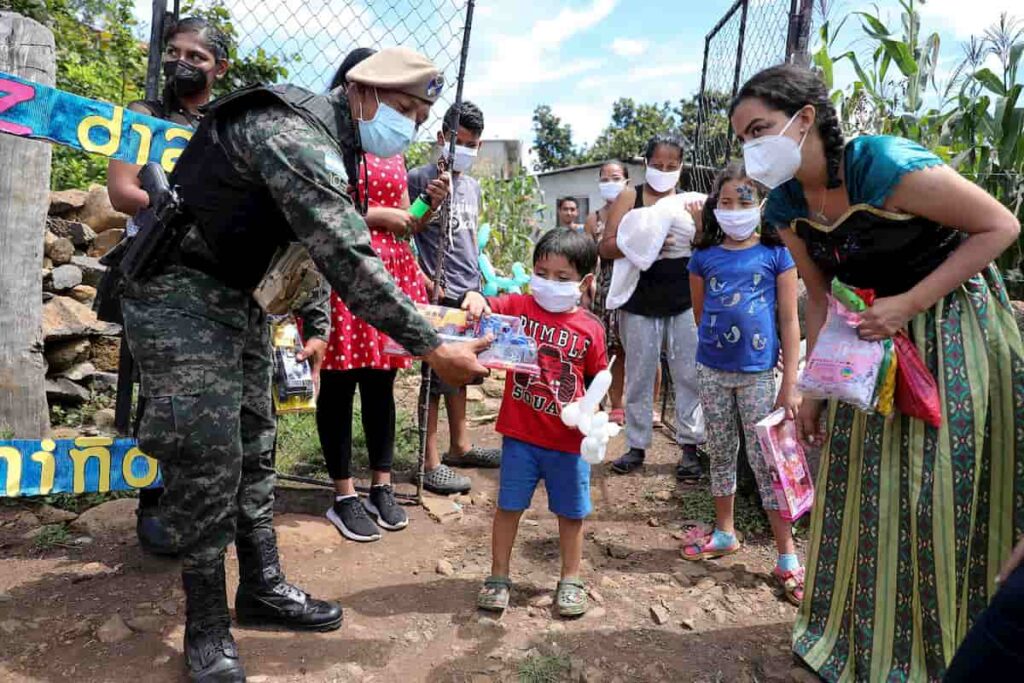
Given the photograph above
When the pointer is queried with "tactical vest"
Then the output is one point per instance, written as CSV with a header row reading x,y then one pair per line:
x,y
238,225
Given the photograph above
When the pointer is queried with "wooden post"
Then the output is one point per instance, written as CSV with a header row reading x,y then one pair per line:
x,y
26,50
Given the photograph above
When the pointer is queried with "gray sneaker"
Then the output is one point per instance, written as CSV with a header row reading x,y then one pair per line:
x,y
474,457
444,481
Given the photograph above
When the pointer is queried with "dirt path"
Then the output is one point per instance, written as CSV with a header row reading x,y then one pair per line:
x,y
63,609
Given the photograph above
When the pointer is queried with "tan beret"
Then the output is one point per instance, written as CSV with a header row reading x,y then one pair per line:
x,y
401,69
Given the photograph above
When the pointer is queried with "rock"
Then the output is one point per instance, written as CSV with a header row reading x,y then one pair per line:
x,y
104,381
474,394
113,630
463,500
26,519
169,607
481,498
115,518
105,241
47,263
61,390
31,534
47,514
682,579
11,626
80,372
441,509
5,598
608,583
663,496
105,353
556,627
619,552
94,570
83,294
65,318
65,277
596,613
59,250
444,568
62,355
92,269
66,201
705,583
99,213
723,577
541,601
659,614
595,596
688,624
146,624
654,521
80,234
163,659
721,617
103,418
801,675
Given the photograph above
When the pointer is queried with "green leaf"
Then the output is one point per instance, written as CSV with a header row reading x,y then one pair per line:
x,y
823,61
873,26
902,55
990,81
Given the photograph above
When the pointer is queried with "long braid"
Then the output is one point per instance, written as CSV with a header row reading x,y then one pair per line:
x,y
832,138
789,88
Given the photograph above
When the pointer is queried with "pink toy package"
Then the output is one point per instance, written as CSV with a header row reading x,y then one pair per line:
x,y
791,478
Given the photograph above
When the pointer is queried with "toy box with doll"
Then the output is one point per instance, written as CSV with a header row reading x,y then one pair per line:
x,y
511,349
791,478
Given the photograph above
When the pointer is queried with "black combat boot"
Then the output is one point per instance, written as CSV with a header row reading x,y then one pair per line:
x,y
210,651
265,598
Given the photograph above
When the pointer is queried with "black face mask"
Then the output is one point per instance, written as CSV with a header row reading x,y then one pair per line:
x,y
184,78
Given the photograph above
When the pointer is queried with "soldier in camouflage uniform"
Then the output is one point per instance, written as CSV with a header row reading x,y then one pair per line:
x,y
266,167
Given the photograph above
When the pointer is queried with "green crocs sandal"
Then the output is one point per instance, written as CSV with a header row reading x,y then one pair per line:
x,y
571,598
494,594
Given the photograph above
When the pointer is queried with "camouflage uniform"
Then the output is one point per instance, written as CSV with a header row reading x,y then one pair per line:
x,y
203,348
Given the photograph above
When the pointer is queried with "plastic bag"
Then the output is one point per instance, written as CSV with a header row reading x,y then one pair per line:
x,y
917,393
843,366
293,379
787,464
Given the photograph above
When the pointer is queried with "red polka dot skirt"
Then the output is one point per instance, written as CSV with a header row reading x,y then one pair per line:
x,y
355,343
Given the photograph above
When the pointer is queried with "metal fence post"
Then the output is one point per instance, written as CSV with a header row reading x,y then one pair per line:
x,y
798,39
739,47
156,37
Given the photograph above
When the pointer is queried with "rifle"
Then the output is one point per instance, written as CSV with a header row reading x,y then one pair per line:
x,y
160,226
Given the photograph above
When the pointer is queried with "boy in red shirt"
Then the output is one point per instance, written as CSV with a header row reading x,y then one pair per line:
x,y
537,445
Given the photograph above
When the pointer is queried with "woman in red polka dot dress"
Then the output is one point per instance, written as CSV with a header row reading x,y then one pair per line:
x,y
355,359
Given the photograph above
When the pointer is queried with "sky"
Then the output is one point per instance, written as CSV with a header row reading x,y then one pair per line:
x,y
577,56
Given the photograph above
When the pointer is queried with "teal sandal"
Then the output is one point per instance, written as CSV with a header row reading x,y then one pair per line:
x,y
571,598
494,595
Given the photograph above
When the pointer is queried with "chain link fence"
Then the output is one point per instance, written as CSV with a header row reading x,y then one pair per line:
x,y
752,35
310,38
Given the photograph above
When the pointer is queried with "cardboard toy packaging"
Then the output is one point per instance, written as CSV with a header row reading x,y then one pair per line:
x,y
787,464
511,350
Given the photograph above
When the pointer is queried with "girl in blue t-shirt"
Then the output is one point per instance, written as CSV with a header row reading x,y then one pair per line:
x,y
744,289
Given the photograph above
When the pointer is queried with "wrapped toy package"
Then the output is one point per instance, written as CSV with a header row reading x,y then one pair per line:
x,y
293,379
511,350
791,478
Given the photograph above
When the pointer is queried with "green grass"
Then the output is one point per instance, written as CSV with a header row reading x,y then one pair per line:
x,y
298,444
6,433
53,536
750,517
82,415
544,669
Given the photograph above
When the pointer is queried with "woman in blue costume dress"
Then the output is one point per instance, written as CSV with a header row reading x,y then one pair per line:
x,y
911,523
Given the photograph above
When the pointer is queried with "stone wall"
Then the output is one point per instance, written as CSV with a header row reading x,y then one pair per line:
x,y
81,352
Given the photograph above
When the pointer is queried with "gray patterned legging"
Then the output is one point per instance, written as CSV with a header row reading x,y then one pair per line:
x,y
724,395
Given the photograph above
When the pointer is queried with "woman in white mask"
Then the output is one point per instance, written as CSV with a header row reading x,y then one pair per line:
x,y
658,313
911,522
612,180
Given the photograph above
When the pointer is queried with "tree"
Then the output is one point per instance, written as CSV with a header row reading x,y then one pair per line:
x,y
552,140
632,125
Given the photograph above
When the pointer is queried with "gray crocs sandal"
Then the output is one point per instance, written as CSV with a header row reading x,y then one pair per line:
x,y
474,457
571,598
494,594
444,481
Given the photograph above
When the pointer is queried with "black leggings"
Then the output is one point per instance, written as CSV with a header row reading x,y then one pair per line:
x,y
334,418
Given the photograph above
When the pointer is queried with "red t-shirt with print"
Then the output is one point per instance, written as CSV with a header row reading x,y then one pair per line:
x,y
570,350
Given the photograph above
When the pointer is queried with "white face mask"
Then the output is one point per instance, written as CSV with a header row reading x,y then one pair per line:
x,y
662,181
554,297
464,158
738,224
773,159
611,189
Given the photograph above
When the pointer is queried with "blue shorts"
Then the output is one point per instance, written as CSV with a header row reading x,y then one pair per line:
x,y
566,478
